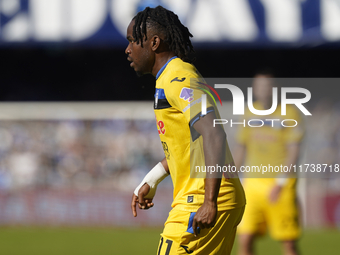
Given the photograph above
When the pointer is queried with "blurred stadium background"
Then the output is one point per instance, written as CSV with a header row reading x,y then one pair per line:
x,y
77,129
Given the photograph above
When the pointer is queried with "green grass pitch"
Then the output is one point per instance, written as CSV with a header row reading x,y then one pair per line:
x,y
141,241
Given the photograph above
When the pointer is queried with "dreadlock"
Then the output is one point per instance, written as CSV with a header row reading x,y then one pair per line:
x,y
165,22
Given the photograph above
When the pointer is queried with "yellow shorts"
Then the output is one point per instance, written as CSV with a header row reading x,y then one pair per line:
x,y
178,238
281,217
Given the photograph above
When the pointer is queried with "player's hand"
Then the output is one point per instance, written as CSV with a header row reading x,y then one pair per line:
x,y
275,193
142,203
205,217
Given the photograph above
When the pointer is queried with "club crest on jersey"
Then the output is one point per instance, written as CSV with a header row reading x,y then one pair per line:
x,y
187,94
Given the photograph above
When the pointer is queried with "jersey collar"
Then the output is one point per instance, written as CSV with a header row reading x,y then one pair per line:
x,y
163,67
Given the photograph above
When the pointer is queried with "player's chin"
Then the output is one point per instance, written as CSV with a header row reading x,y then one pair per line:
x,y
139,73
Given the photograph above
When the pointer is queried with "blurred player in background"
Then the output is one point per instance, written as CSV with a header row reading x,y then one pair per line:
x,y
206,211
271,202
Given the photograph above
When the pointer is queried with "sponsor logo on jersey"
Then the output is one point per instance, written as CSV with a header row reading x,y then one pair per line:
x,y
186,248
179,80
187,94
191,104
190,199
160,126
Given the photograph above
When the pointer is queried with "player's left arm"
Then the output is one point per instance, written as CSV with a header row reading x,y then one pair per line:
x,y
293,151
214,145
293,137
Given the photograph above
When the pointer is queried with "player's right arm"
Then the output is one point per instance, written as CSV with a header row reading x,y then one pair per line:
x,y
142,195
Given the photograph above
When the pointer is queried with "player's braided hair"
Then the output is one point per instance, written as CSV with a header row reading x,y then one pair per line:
x,y
177,36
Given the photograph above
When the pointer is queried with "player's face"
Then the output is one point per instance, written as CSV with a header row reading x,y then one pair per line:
x,y
141,58
262,87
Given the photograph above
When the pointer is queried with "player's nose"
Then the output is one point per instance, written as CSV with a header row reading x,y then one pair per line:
x,y
128,50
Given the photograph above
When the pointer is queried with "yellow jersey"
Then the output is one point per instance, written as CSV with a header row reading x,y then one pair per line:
x,y
267,145
177,106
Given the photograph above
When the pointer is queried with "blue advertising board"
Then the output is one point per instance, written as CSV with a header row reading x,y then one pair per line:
x,y
240,23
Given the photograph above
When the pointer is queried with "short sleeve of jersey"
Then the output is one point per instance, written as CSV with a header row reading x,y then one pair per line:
x,y
293,134
186,97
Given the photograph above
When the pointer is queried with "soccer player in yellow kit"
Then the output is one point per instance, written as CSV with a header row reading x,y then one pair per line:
x,y
271,202
206,211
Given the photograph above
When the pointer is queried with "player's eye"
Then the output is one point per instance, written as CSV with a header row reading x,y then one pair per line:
x,y
131,40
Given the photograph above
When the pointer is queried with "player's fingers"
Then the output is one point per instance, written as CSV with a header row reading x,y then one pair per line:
x,y
209,224
201,225
133,205
148,203
194,226
148,206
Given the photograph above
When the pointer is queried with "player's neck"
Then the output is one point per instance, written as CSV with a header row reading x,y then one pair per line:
x,y
161,60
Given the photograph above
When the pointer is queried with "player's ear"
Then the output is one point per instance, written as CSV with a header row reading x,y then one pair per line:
x,y
155,42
